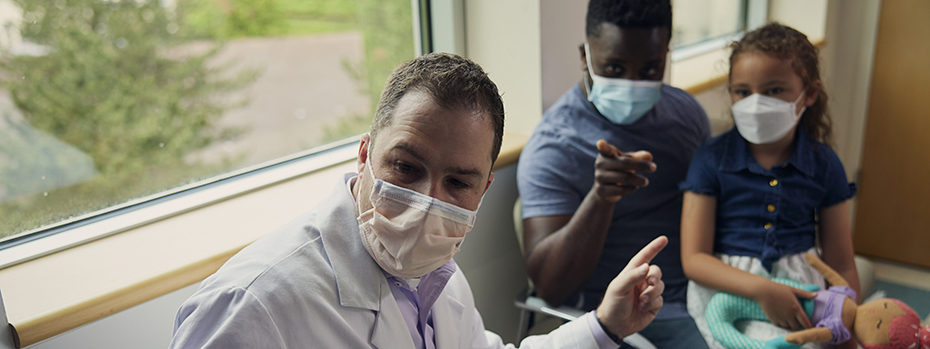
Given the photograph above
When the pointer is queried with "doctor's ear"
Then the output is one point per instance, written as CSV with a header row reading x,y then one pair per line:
x,y
490,180
362,160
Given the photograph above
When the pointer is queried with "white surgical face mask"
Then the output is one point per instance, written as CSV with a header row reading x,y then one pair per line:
x,y
410,234
621,101
763,119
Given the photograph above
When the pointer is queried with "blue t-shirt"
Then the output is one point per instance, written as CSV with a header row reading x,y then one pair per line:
x,y
556,172
762,213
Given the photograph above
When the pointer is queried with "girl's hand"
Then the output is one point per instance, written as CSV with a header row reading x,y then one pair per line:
x,y
781,306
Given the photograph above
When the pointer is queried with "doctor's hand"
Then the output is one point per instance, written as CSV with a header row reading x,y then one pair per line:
x,y
634,297
615,173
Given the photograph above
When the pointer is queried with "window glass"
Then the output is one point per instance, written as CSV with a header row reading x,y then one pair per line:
x,y
106,101
696,21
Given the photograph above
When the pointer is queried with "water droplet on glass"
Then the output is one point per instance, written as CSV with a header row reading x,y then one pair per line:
x,y
300,113
43,178
45,194
161,145
172,28
120,43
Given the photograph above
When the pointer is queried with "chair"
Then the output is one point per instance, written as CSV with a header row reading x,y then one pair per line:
x,y
528,303
8,337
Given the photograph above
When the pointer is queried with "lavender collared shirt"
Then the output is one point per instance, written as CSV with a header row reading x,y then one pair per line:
x,y
413,295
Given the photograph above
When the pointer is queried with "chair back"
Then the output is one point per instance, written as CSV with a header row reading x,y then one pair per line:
x,y
518,223
8,338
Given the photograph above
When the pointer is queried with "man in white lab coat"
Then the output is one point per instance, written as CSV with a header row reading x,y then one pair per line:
x,y
372,265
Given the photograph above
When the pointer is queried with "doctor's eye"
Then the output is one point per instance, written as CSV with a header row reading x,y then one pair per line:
x,y
403,168
457,184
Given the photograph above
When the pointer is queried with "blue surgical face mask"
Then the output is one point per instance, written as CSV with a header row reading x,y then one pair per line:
x,y
621,101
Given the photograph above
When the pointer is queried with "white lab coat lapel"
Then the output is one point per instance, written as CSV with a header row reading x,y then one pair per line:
x,y
359,280
390,330
447,315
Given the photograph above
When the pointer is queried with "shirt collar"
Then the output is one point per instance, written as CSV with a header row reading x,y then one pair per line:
x,y
737,157
430,285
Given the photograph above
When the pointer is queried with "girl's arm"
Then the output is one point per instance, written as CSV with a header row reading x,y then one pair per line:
x,y
836,242
779,302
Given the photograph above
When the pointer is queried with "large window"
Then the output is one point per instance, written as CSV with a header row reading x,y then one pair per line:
x,y
704,25
104,103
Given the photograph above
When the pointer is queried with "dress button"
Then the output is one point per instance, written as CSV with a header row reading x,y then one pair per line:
x,y
773,182
767,226
771,208
398,284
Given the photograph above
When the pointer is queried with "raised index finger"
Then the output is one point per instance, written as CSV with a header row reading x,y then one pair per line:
x,y
607,149
649,252
628,163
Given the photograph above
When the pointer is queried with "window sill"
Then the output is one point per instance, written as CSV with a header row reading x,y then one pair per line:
x,y
62,291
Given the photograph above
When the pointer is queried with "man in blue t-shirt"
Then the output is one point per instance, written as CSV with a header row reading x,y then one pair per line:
x,y
587,207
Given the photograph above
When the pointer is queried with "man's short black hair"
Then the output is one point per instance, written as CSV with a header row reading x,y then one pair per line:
x,y
628,14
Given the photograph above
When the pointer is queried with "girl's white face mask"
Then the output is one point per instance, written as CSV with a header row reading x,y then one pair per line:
x,y
763,119
410,234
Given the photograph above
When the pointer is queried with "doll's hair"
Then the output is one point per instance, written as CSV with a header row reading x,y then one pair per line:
x,y
902,330
783,42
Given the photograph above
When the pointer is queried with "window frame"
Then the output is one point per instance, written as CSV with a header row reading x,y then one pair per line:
x,y
56,237
753,14
96,225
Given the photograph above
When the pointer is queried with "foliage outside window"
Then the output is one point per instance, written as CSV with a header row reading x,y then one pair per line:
x,y
107,101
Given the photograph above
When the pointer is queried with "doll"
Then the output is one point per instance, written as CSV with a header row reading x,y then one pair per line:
x,y
880,324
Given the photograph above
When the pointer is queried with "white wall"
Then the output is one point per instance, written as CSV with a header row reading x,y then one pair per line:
x,y
503,37
847,73
145,326
562,30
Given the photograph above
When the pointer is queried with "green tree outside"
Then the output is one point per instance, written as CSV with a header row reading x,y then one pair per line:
x,y
113,86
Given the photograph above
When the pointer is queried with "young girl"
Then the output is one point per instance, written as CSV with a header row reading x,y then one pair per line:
x,y
761,195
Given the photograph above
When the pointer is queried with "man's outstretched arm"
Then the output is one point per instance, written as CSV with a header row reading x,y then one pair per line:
x,y
562,251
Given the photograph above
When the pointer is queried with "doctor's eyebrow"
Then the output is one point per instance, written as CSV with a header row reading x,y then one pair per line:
x,y
409,150
470,172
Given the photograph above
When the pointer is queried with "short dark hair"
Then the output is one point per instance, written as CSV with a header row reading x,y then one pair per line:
x,y
628,14
453,82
